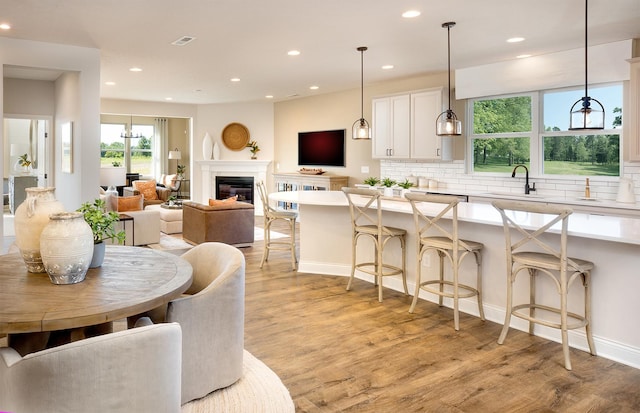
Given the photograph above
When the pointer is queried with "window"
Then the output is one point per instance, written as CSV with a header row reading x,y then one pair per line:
x,y
505,131
136,154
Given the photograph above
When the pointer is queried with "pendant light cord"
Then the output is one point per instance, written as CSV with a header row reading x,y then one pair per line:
x,y
362,49
449,61
585,47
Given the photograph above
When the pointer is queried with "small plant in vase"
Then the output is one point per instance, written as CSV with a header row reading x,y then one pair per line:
x,y
254,149
405,185
102,225
25,163
388,184
180,171
372,181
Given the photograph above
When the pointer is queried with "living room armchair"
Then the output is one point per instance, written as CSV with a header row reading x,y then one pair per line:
x,y
152,193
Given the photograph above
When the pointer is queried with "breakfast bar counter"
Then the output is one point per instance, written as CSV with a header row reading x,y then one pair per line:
x,y
611,242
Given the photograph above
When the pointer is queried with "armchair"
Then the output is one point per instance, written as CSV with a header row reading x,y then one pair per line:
x,y
128,371
152,193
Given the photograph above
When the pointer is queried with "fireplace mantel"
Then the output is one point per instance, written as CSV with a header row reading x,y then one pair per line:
x,y
210,169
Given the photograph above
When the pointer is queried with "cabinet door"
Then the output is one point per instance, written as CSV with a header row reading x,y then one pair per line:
x,y
391,131
425,144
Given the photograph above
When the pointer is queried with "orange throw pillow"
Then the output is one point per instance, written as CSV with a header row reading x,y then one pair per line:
x,y
130,203
230,200
146,188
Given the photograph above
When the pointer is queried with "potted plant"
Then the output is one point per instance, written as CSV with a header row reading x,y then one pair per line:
x,y
372,181
180,171
388,184
102,225
254,149
405,185
25,163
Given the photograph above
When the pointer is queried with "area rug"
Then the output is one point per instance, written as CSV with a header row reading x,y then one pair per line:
x,y
258,234
259,390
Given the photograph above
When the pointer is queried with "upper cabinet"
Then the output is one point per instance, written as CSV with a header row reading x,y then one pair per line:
x,y
390,126
404,126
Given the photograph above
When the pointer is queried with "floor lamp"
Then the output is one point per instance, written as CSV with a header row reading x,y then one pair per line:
x,y
177,155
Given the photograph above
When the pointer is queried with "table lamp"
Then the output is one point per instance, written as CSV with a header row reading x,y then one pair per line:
x,y
112,177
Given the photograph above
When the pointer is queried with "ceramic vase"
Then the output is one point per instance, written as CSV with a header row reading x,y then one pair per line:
x,y
207,147
216,152
66,246
98,255
30,219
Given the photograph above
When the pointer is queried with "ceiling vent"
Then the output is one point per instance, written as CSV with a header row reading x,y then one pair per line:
x,y
183,40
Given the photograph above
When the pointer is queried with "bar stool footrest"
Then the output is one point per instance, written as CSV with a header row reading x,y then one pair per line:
x,y
581,321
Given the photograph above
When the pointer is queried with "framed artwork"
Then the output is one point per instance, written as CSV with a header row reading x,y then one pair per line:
x,y
67,147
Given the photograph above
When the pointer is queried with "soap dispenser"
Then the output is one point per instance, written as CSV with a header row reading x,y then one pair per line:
x,y
625,191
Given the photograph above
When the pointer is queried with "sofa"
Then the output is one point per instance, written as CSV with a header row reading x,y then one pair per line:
x,y
230,222
141,227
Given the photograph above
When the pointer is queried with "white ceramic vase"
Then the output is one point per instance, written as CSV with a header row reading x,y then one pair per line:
x,y
30,219
207,147
66,246
216,152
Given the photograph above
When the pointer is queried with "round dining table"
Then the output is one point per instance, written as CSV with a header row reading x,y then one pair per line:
x,y
131,281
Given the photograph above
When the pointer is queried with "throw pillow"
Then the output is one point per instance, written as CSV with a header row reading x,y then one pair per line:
x,y
214,202
146,188
130,203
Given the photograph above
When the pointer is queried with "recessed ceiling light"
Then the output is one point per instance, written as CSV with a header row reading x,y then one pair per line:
x,y
515,40
409,14
269,96
5,26
387,67
314,87
523,56
168,98
135,69
293,52
183,40
235,79
110,83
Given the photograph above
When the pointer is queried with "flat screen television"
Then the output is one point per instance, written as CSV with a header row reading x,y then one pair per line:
x,y
322,148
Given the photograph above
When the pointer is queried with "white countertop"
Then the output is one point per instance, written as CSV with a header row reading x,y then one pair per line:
x,y
586,225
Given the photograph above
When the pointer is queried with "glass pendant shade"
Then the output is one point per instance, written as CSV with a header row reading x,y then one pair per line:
x,y
361,129
586,115
448,124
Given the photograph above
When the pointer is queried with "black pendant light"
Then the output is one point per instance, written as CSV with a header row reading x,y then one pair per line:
x,y
360,128
587,112
447,123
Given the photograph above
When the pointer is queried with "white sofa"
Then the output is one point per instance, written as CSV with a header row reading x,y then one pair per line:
x,y
144,229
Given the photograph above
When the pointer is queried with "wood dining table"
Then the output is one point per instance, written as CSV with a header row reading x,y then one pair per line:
x,y
131,281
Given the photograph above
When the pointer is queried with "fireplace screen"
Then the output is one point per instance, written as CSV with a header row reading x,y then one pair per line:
x,y
228,186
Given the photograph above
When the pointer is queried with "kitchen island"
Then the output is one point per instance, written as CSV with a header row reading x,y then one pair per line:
x,y
611,242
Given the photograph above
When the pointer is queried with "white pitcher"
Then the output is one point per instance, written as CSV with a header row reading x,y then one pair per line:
x,y
625,191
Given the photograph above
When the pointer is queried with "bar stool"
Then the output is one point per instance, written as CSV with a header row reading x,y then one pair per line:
x,y
432,236
271,215
551,261
366,220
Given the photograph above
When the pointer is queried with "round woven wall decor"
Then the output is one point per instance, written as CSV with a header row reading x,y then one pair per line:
x,y
235,136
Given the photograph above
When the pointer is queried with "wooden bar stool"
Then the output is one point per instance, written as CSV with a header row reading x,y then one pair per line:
x,y
270,215
432,236
366,220
547,259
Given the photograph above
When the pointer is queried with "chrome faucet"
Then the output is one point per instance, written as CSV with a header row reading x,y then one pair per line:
x,y
527,188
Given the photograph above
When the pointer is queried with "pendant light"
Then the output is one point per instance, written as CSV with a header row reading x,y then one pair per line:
x,y
447,123
360,128
128,133
587,112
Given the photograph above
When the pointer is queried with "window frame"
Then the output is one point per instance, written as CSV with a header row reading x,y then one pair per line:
x,y
537,134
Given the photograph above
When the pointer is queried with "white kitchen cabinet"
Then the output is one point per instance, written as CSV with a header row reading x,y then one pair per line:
x,y
425,144
634,110
404,126
391,131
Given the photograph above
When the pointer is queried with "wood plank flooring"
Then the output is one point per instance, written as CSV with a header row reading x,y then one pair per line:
x,y
343,351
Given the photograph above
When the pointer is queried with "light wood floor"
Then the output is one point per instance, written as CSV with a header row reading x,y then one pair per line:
x,y
343,351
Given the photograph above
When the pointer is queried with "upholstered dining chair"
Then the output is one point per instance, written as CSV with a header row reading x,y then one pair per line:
x,y
432,234
366,221
530,249
135,370
270,216
211,314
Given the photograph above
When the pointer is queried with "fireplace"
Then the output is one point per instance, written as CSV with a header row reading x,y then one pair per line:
x,y
240,186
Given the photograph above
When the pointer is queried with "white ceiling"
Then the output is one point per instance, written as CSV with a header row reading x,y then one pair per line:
x,y
249,39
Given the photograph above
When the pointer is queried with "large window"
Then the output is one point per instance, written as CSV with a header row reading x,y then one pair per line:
x,y
136,154
532,129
